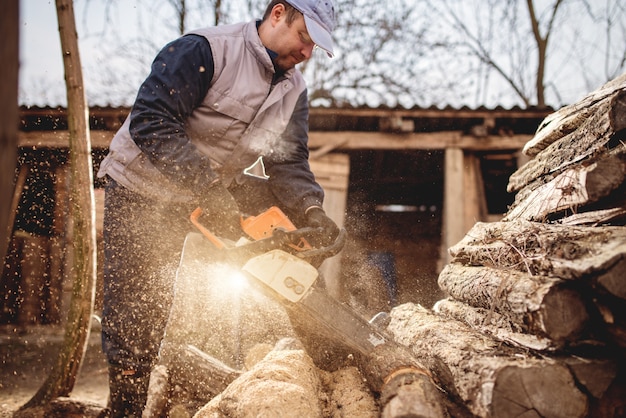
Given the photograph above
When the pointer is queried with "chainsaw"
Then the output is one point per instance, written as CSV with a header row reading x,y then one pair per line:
x,y
278,258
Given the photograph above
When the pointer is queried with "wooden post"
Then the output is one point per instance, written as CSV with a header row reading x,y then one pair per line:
x,y
474,202
9,56
464,201
453,198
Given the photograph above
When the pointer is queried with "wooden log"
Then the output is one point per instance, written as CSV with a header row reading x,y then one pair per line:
x,y
348,394
576,187
612,215
540,305
569,253
284,383
568,118
595,375
410,395
493,380
492,323
545,306
591,139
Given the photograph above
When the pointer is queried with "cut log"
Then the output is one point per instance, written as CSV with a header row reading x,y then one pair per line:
x,y
493,380
591,139
573,188
540,305
594,374
569,253
495,324
568,118
612,215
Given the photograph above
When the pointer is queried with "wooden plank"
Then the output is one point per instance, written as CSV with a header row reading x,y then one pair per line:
x,y
339,140
61,139
474,202
332,171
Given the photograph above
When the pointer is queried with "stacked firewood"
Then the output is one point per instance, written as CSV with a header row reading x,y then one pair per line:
x,y
535,319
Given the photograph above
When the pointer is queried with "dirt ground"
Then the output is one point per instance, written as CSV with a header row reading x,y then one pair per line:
x,y
27,356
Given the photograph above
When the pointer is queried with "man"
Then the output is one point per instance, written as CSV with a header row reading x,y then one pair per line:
x,y
220,123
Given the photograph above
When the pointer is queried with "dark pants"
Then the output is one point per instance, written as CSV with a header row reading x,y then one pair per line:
x,y
143,240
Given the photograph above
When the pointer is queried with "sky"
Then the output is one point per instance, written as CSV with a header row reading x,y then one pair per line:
x,y
114,61
41,74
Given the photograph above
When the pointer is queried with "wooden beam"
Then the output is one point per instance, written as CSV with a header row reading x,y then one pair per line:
x,y
61,139
425,141
338,140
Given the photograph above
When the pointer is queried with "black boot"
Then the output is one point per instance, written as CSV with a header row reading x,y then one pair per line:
x,y
128,391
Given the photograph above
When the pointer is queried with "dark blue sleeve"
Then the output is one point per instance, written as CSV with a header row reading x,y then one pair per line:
x,y
291,179
178,82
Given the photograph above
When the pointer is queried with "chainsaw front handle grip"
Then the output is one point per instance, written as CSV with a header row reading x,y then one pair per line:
x,y
329,250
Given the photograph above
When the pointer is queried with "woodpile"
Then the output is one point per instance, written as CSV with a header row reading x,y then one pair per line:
x,y
534,323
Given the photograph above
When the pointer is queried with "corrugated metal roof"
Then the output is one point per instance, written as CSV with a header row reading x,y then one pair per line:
x,y
496,120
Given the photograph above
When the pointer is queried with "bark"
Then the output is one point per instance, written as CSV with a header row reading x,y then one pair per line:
x,y
492,323
9,121
568,253
615,215
591,138
571,190
491,379
567,119
61,380
540,305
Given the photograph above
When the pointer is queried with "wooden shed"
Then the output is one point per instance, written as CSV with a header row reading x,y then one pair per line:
x,y
407,184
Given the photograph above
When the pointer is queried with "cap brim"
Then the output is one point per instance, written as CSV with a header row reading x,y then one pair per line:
x,y
320,36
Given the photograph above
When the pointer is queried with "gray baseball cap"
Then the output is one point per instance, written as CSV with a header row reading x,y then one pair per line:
x,y
319,17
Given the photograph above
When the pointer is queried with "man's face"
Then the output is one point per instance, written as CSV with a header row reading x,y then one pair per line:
x,y
292,42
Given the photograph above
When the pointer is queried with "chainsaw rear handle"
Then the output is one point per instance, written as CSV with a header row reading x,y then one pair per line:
x,y
279,238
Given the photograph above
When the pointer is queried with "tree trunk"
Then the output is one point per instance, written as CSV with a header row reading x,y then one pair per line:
x,y
61,380
9,56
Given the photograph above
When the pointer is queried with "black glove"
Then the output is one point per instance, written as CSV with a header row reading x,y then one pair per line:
x,y
317,218
221,212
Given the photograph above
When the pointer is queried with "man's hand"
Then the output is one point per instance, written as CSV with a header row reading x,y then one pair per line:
x,y
317,218
222,212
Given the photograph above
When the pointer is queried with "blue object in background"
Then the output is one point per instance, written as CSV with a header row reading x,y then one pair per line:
x,y
386,263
